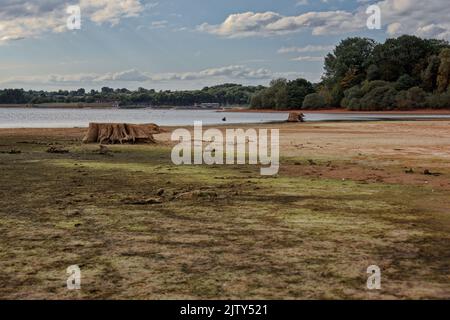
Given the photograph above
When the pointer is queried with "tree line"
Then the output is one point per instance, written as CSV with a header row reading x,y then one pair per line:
x,y
360,74
226,94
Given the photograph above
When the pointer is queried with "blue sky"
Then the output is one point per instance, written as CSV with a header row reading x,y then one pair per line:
x,y
187,44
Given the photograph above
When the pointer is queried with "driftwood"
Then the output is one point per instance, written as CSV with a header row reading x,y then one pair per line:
x,y
112,133
296,117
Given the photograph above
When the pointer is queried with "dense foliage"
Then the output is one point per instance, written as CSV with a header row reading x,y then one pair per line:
x,y
227,94
283,94
403,73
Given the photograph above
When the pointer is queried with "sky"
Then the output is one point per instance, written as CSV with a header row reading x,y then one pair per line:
x,y
189,44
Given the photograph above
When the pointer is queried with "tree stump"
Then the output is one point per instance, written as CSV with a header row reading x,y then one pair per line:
x,y
296,117
113,133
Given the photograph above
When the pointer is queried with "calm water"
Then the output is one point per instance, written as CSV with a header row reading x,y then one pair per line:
x,y
68,118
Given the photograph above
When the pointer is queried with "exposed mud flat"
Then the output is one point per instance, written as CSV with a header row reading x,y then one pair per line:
x,y
348,195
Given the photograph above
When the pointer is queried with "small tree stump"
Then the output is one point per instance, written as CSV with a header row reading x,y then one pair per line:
x,y
113,133
296,117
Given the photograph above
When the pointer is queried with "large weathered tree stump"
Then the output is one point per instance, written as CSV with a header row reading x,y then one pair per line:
x,y
296,117
113,133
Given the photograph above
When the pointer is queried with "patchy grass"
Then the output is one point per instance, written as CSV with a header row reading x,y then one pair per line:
x,y
239,235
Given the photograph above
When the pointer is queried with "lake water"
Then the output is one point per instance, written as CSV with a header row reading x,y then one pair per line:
x,y
68,118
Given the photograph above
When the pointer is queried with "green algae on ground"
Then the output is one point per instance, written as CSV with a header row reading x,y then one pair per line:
x,y
257,237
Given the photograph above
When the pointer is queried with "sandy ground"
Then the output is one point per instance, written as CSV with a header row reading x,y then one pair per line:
x,y
348,195
380,151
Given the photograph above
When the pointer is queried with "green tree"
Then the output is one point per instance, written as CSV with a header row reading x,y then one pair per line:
x,y
297,90
380,98
350,54
13,96
106,90
256,100
430,74
438,101
404,55
346,66
314,101
352,98
405,82
414,98
373,72
443,78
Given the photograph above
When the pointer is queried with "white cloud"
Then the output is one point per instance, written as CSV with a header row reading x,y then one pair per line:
x,y
234,72
128,75
159,24
432,30
242,24
110,11
151,5
308,48
308,59
426,18
270,23
231,72
422,18
23,19
302,3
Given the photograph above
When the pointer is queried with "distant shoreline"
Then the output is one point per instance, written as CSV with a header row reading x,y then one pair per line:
x,y
234,110
343,111
58,106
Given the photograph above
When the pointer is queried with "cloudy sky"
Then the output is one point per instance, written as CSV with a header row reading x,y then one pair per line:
x,y
187,44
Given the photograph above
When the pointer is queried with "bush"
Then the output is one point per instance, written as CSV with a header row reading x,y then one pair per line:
x,y
256,101
352,97
297,90
282,94
405,82
337,95
281,98
438,101
355,105
380,98
373,72
402,100
368,86
267,100
413,98
417,96
314,101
